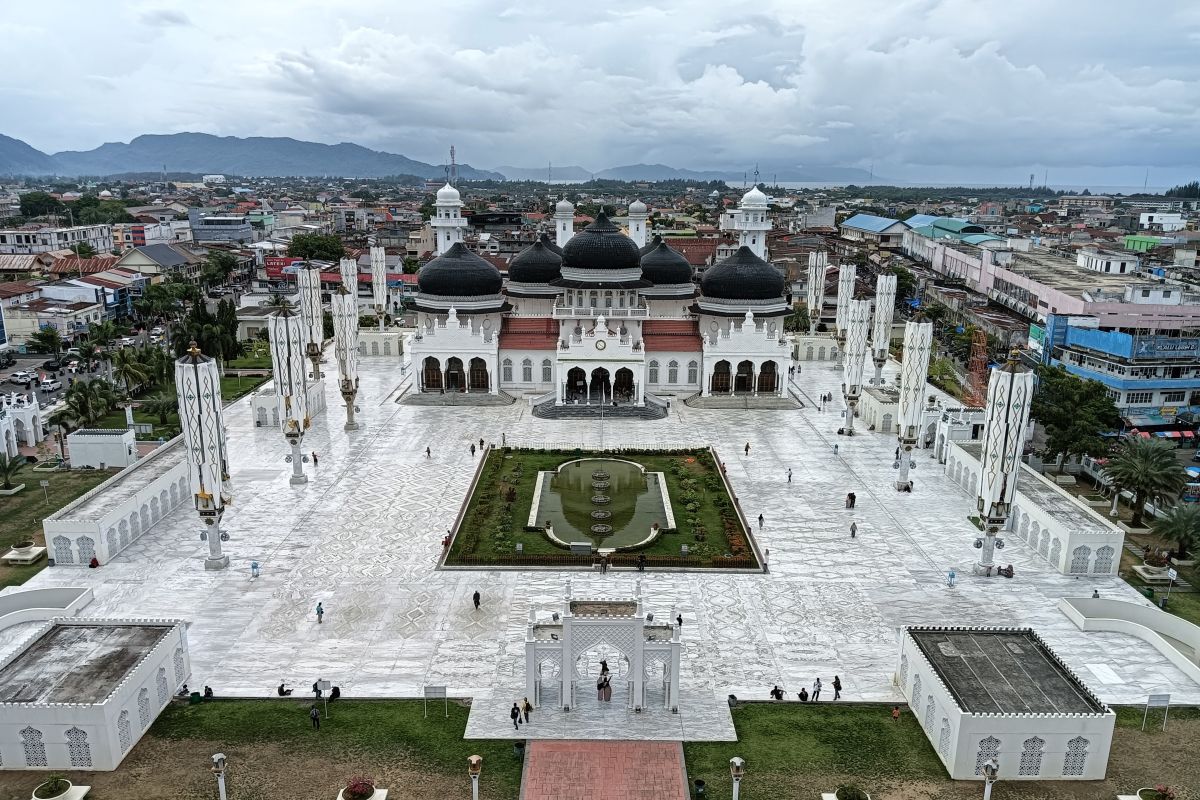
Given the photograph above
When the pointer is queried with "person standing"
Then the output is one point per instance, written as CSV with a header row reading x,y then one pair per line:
x,y
895,713
527,709
760,521
789,476
515,715
816,692
427,453
747,448
679,620
641,562
480,442
853,499
837,688
853,529
314,458
950,579
320,613
475,599
472,449
315,716
835,448
776,692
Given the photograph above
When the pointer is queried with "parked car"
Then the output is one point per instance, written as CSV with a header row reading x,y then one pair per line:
x,y
1196,456
126,341
49,385
21,378
156,331
53,365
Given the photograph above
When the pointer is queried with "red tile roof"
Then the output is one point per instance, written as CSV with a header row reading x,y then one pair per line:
x,y
698,252
82,266
672,335
528,333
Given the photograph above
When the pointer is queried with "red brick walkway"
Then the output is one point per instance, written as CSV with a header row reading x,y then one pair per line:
x,y
573,770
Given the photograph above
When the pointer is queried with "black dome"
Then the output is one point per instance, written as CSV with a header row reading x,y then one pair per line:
x,y
535,264
550,243
458,273
654,242
664,265
742,276
601,245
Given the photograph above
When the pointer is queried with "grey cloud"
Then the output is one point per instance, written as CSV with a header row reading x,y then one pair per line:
x,y
164,18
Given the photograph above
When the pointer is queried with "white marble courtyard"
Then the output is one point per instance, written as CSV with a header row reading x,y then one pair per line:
x,y
364,535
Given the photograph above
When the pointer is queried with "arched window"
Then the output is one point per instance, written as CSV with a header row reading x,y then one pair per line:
x,y
144,708
1080,557
1076,758
608,299
904,669
1031,756
35,747
653,372
506,370
124,735
672,372
527,371
1104,560
79,752
693,372
989,749
916,692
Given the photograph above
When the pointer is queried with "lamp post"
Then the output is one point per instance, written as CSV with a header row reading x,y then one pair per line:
x,y
474,767
1113,512
1008,395
737,768
291,386
858,314
990,770
343,307
218,769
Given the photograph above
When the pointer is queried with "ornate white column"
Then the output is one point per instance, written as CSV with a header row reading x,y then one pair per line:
x,y
379,287
1010,391
918,341
858,315
291,383
881,332
198,389
846,276
311,314
817,264
344,307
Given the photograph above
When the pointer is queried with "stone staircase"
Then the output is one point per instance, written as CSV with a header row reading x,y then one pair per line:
x,y
457,399
548,410
741,401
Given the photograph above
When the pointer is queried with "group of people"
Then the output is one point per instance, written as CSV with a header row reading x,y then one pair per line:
x,y
805,696
604,683
519,710
826,398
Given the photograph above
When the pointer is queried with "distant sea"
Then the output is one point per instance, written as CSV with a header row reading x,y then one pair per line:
x,y
884,182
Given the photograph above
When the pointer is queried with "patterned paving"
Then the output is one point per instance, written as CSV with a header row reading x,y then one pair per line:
x,y
363,537
604,771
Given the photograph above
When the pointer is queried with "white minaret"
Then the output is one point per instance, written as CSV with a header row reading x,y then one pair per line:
x,y
638,214
881,332
817,264
344,308
1010,391
447,222
288,353
846,277
858,318
379,288
918,341
312,313
564,222
753,223
198,389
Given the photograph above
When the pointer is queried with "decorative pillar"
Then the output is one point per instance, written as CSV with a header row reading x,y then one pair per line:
x,y
291,383
846,275
858,315
198,389
379,287
918,340
344,306
817,264
1010,391
881,333
311,314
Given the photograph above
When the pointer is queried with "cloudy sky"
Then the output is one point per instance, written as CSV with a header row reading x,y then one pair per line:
x,y
938,90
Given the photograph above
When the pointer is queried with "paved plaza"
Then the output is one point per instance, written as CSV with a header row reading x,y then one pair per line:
x,y
364,535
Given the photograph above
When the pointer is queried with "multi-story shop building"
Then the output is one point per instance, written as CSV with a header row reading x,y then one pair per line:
x,y
43,239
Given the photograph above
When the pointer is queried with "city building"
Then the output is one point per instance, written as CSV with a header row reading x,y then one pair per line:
x,y
1163,221
227,228
71,318
870,229
47,238
127,235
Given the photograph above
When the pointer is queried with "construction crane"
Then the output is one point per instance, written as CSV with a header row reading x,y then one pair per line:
x,y
977,377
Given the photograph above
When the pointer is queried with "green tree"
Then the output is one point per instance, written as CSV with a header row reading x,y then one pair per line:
x,y
84,250
322,246
9,467
39,204
88,401
411,265
46,340
161,405
1148,469
62,420
1180,525
366,195
797,321
1074,411
218,268
278,301
129,371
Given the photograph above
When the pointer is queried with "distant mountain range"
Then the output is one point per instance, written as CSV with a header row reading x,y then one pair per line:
x,y
255,156
663,172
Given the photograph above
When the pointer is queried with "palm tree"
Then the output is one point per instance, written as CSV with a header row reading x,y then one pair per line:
x,y
88,401
129,370
9,467
1180,525
278,301
1148,469
161,405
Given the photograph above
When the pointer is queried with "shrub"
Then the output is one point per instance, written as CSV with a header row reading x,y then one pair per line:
x,y
851,793
55,785
359,788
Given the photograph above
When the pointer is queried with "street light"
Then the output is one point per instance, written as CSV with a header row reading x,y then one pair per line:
x,y
737,768
990,770
474,767
218,769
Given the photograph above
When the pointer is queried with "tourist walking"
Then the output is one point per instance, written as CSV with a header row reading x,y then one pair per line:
x,y
837,688
472,450
427,453
816,692
747,448
480,442
475,599
315,716
950,579
314,457
760,520
789,476
515,715
835,448
526,709
254,569
320,613
853,529
641,562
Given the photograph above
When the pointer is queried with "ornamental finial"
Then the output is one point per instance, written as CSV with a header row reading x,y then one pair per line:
x,y
194,349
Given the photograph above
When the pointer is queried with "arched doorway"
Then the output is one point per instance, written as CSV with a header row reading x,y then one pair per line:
x,y
768,380
431,374
600,390
588,669
623,385
456,379
744,380
479,375
720,378
576,384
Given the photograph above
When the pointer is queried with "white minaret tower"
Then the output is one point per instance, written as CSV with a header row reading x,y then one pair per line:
x,y
817,264
881,332
344,307
288,352
198,389
846,277
1010,391
752,222
447,222
564,222
918,341
638,214
858,318
379,288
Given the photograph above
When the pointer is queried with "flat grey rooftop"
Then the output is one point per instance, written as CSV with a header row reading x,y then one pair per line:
x,y
1003,672
124,485
77,663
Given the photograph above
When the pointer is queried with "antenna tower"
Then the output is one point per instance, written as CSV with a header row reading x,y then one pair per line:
x,y
453,180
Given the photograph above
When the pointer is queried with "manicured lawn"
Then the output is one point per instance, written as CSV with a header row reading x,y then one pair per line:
x,y
493,524
21,514
1183,604
116,419
233,387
